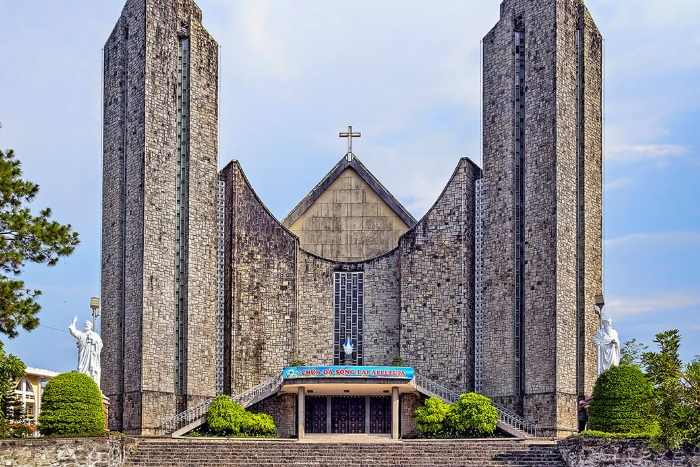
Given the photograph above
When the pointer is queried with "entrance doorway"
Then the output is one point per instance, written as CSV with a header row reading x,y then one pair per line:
x,y
380,414
348,414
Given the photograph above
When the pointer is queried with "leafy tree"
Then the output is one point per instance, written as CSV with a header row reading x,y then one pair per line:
x,y
472,415
24,237
631,353
71,405
676,399
622,399
430,417
11,369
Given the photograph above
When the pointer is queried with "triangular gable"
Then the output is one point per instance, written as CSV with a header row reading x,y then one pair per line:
x,y
355,164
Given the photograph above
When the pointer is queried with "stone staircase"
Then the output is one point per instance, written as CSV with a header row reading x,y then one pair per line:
x,y
196,416
508,421
419,453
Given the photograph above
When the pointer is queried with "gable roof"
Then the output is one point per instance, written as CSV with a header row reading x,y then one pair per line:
x,y
355,164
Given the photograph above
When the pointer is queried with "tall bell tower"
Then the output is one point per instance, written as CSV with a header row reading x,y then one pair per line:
x,y
159,213
542,208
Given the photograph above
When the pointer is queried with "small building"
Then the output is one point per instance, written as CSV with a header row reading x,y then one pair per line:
x,y
29,389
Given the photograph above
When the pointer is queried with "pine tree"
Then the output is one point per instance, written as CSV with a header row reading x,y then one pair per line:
x,y
24,237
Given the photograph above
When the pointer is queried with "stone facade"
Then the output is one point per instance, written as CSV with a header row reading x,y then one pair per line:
x,y
409,404
159,205
545,207
259,286
540,240
437,285
283,409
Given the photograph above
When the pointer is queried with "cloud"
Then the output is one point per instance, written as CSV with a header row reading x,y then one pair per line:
x,y
618,183
633,153
625,306
666,238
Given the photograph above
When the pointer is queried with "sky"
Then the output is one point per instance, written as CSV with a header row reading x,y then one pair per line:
x,y
404,74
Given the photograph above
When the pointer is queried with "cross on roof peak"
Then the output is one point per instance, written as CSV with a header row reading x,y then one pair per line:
x,y
349,135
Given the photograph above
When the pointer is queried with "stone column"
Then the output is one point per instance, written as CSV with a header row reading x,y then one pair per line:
x,y
302,412
395,412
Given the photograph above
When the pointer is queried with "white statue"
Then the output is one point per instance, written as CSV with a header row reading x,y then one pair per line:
x,y
89,349
608,344
348,347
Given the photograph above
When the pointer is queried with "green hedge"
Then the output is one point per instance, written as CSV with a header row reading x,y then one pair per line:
x,y
227,418
621,403
71,405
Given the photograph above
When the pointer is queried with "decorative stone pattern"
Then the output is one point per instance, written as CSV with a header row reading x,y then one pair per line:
x,y
553,355
349,222
594,452
437,285
110,451
283,409
139,214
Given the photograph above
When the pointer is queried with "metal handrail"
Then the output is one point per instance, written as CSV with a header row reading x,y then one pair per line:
x,y
505,415
199,411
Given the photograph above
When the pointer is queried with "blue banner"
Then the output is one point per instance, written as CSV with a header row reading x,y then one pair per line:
x,y
386,372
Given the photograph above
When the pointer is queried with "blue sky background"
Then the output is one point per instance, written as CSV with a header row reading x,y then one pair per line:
x,y
405,74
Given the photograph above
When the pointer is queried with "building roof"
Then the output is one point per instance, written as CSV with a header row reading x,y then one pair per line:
x,y
354,163
41,372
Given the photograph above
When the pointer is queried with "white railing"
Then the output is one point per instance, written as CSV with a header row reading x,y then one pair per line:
x,y
505,415
199,412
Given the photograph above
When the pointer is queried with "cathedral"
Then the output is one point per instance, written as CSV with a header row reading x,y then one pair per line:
x,y
205,292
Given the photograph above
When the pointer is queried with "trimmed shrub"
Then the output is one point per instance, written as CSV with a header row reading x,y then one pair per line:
x,y
259,424
398,361
71,405
622,400
472,415
227,418
430,417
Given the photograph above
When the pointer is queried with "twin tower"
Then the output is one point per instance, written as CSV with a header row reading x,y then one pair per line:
x,y
205,292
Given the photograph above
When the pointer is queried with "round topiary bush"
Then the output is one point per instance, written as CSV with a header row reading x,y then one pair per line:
x,y
430,417
472,415
71,405
225,417
621,403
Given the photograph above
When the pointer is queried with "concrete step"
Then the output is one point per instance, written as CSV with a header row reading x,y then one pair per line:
x,y
237,453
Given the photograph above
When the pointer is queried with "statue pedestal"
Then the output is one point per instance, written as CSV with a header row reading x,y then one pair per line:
x,y
105,409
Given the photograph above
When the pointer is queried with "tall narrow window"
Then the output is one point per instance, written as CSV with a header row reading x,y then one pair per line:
x,y
183,120
221,217
580,223
124,203
519,202
348,305
478,296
